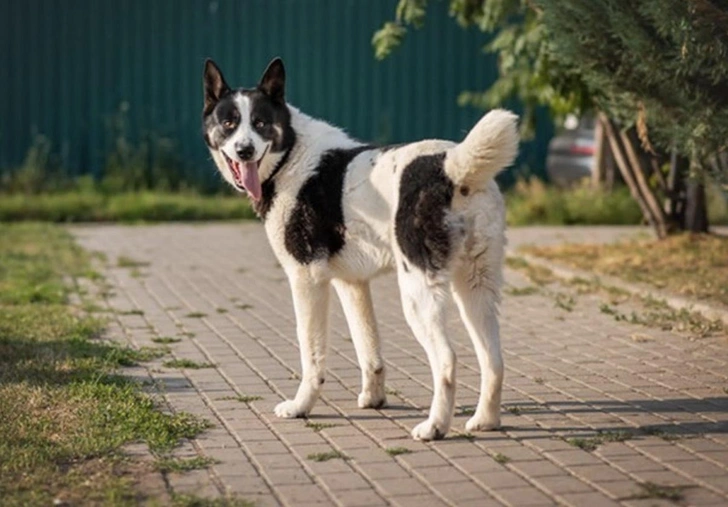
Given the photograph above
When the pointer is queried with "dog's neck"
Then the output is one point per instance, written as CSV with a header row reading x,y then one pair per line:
x,y
313,137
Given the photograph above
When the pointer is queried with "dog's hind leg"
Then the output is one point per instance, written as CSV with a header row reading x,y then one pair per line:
x,y
424,302
311,305
477,299
356,301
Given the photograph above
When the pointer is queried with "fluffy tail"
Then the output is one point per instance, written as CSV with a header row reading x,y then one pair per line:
x,y
490,147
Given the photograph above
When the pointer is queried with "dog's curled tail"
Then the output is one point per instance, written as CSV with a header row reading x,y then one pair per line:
x,y
489,147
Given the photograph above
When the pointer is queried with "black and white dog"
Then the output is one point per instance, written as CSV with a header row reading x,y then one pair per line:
x,y
339,212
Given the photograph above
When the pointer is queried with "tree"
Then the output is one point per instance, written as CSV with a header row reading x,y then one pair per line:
x,y
656,69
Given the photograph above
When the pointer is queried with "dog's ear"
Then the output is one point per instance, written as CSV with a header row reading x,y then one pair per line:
x,y
273,82
215,86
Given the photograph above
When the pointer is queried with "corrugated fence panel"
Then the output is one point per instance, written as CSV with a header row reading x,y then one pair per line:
x,y
69,67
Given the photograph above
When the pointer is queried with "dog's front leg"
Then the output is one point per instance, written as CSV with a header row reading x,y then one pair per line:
x,y
311,304
356,301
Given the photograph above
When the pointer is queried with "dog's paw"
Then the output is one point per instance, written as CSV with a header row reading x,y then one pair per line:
x,y
483,423
427,430
372,400
289,410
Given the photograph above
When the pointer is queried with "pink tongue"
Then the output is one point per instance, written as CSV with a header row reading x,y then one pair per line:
x,y
251,181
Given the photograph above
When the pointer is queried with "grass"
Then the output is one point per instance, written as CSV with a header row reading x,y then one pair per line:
x,y
128,262
532,203
72,414
183,464
320,457
186,363
590,444
501,458
245,398
196,315
521,291
166,340
317,426
195,501
657,491
91,206
397,451
691,265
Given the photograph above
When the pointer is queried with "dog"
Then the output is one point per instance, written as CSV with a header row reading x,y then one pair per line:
x,y
338,212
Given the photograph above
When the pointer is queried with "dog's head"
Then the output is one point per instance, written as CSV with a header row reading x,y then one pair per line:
x,y
246,130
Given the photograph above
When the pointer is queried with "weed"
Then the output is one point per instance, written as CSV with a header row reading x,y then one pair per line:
x,y
564,301
501,458
463,436
186,363
179,500
592,443
467,411
652,490
196,315
222,310
539,380
396,451
127,262
166,339
326,456
183,464
134,311
391,391
605,308
513,409
244,398
522,291
317,426
243,306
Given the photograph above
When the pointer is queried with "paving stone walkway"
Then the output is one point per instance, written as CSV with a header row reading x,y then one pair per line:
x,y
592,407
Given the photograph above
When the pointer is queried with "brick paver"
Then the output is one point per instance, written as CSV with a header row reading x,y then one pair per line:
x,y
570,377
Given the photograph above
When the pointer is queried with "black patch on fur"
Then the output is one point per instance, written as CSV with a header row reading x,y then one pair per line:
x,y
389,147
405,267
316,227
425,195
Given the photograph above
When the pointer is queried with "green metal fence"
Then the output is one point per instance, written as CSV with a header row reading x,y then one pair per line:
x,y
72,70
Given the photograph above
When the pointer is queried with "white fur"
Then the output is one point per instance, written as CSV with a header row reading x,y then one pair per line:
x,y
369,201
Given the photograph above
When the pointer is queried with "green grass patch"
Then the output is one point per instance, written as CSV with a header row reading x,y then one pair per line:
x,y
326,456
196,501
186,363
72,414
183,464
90,206
196,315
501,458
128,262
590,444
166,340
657,491
533,203
397,451
317,426
245,398
522,291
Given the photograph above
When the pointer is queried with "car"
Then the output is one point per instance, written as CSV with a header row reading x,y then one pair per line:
x,y
570,156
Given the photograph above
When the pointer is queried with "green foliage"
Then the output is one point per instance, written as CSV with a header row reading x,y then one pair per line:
x,y
75,206
659,64
531,202
528,70
71,413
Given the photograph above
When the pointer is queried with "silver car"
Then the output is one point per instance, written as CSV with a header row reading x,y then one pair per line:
x,y
570,155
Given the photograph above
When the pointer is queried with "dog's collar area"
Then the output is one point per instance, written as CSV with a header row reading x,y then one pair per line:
x,y
279,165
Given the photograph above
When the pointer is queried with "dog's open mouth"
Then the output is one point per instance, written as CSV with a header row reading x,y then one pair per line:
x,y
245,175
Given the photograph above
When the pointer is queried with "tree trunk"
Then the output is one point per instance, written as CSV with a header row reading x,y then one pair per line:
x,y
696,209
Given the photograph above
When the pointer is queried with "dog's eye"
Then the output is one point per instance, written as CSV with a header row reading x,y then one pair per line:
x,y
259,124
228,124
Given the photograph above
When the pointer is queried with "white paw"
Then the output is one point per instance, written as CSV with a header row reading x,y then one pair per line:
x,y
372,400
481,422
289,410
427,430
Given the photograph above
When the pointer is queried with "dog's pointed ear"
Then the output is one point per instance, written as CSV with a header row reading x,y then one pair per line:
x,y
273,82
214,84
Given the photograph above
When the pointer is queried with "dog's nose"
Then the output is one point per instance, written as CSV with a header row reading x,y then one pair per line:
x,y
245,152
